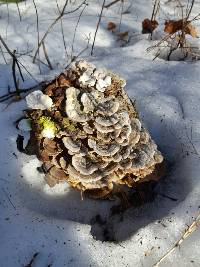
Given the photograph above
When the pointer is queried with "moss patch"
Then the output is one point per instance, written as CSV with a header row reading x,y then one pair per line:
x,y
11,1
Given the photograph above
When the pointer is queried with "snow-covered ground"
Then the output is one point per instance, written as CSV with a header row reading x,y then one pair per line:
x,y
55,222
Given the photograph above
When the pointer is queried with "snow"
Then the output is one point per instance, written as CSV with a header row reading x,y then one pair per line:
x,y
56,222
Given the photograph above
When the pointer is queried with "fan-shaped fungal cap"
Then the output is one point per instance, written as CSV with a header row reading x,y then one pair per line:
x,y
95,176
108,107
102,84
72,145
38,100
103,150
73,109
87,102
106,121
83,164
86,80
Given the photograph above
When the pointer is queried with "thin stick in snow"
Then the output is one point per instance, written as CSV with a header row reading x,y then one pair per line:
x,y
16,82
78,55
46,56
3,55
8,14
20,16
38,34
122,9
186,233
8,197
15,58
76,30
100,16
55,22
112,3
62,30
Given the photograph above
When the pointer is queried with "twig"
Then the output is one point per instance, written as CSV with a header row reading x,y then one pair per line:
x,y
46,56
12,94
14,74
112,3
191,143
61,14
62,30
15,60
3,55
165,196
6,47
190,10
122,9
78,55
8,17
156,8
38,34
100,16
32,260
186,233
8,197
27,54
20,17
76,29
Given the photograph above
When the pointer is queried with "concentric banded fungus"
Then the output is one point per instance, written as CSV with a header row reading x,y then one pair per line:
x,y
99,139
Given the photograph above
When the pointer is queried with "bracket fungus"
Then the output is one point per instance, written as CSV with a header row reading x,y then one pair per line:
x,y
86,131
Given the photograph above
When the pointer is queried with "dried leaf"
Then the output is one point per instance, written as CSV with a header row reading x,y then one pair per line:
x,y
58,100
58,173
173,26
123,36
111,26
50,180
63,80
50,146
148,26
44,155
190,29
49,89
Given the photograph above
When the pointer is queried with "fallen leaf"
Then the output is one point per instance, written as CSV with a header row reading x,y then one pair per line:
x,y
148,26
111,26
58,174
191,30
173,26
123,36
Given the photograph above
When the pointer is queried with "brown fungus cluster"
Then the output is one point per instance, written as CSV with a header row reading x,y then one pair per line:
x,y
86,131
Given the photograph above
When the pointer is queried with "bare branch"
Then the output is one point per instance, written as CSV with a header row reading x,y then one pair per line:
x,y
61,14
38,34
20,17
186,234
76,29
112,3
62,30
80,53
16,60
46,56
100,16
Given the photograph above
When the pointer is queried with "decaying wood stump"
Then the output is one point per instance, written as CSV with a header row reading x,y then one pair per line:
x,y
86,131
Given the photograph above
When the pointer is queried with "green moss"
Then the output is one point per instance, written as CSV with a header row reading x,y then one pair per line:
x,y
46,123
69,125
11,1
